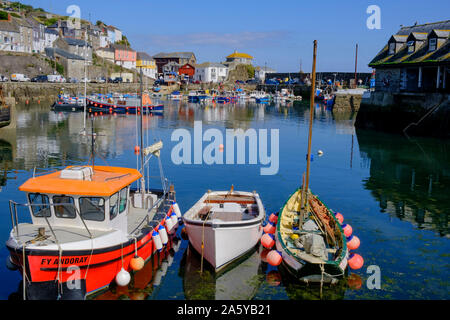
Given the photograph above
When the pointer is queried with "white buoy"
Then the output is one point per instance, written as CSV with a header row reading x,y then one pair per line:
x,y
163,234
169,224
174,218
157,240
177,210
123,277
320,152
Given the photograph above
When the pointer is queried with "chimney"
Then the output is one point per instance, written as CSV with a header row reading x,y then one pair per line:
x,y
9,17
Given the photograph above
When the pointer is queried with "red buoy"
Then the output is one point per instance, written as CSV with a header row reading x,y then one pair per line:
x,y
354,281
268,241
347,229
353,242
355,261
273,218
137,149
274,258
270,228
340,217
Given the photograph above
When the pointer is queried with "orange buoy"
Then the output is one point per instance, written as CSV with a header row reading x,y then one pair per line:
x,y
274,258
354,281
339,217
264,254
136,263
221,147
355,261
268,240
273,278
347,229
137,149
270,228
273,218
353,242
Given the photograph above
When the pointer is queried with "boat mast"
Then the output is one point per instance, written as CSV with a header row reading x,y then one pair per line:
x,y
311,116
85,81
142,139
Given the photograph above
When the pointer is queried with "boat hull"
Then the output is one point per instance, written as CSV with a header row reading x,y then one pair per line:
x,y
98,267
223,243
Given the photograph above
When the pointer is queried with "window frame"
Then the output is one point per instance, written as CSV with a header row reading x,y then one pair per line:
x,y
42,204
411,44
430,48
104,208
63,206
117,194
126,200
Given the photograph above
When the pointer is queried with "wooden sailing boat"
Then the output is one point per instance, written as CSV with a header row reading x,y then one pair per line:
x,y
309,238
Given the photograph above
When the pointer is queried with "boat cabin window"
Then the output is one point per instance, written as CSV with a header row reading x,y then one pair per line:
x,y
113,206
92,209
39,205
123,200
64,207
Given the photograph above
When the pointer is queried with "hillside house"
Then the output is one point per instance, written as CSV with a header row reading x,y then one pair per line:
x,y
180,58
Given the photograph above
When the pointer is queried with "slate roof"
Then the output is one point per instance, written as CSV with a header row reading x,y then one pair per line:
x,y
210,64
50,52
181,55
8,26
143,56
422,55
76,42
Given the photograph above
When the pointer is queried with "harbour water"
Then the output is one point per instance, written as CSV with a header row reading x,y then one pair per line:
x,y
392,189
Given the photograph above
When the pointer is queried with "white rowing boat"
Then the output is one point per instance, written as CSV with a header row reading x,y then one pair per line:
x,y
224,225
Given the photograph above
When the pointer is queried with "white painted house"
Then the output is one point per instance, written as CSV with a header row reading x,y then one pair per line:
x,y
210,72
260,73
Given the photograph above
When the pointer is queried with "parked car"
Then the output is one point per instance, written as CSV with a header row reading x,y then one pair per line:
x,y
40,78
240,81
3,78
55,78
19,77
73,80
101,80
117,80
251,81
83,80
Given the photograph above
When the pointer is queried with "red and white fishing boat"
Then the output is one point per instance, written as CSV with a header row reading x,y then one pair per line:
x,y
90,226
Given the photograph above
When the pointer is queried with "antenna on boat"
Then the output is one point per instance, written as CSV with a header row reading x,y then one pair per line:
x,y
311,116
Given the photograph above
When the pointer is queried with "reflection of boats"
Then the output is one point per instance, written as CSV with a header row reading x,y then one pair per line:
x,y
296,290
91,220
226,97
308,235
175,95
239,281
68,103
198,96
224,225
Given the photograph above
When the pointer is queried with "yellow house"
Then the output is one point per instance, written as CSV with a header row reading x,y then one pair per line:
x,y
240,57
147,63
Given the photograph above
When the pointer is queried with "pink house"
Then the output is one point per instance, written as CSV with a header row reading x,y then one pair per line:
x,y
124,56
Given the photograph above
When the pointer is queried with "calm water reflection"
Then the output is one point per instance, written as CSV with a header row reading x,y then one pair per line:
x,y
392,190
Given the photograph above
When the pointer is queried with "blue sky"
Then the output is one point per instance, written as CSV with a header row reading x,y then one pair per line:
x,y
279,33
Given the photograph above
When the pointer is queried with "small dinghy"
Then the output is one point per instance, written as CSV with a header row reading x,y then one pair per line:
x,y
224,225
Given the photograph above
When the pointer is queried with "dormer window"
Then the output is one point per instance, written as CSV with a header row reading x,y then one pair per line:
x,y
410,46
392,48
432,44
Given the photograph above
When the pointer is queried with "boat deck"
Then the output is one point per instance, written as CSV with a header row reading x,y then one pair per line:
x,y
290,213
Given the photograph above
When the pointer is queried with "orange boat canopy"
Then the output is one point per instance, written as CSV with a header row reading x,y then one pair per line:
x,y
105,181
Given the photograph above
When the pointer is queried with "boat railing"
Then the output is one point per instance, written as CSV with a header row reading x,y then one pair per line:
x,y
158,203
15,217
